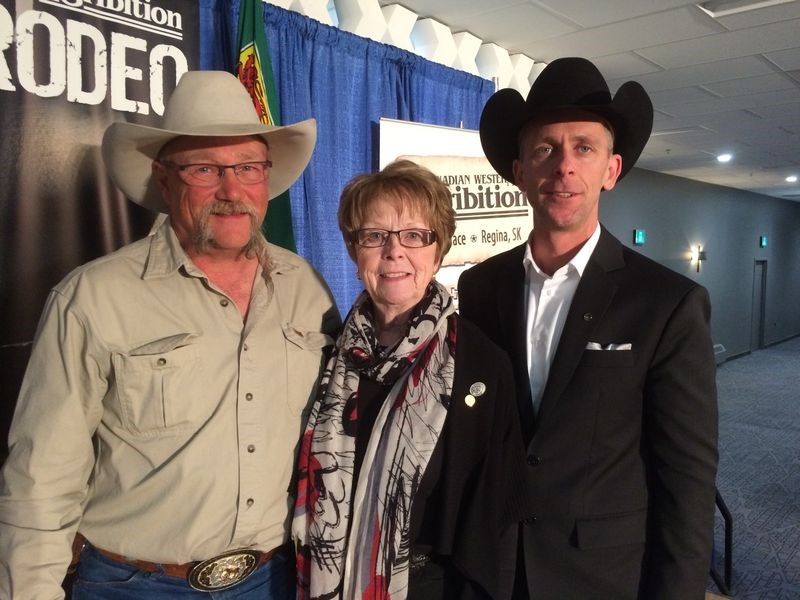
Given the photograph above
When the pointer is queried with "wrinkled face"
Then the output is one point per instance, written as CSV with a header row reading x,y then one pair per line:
x,y
395,277
219,219
563,167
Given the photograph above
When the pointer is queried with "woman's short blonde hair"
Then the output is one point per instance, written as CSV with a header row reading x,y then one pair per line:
x,y
407,186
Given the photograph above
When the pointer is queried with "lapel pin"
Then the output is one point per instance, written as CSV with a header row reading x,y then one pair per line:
x,y
477,388
469,400
587,317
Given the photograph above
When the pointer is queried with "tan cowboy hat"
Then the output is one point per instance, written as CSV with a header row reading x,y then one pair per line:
x,y
566,83
204,103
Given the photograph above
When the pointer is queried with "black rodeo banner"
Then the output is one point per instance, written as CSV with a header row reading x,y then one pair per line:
x,y
68,68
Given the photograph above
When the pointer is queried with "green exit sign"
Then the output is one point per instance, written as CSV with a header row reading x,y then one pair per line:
x,y
639,237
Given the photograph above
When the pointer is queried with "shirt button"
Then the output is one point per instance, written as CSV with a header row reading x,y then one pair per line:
x,y
248,396
251,448
224,302
529,520
161,361
250,502
533,460
244,347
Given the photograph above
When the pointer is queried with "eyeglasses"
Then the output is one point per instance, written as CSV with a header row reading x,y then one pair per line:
x,y
409,238
208,175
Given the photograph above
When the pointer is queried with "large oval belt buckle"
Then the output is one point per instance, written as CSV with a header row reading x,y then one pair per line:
x,y
223,571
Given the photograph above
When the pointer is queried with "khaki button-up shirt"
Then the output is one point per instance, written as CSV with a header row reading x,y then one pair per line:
x,y
153,420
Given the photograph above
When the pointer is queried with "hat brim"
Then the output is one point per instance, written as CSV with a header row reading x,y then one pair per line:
x,y
630,114
129,151
501,121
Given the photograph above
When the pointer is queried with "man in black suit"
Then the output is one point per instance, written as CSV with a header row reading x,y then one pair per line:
x,y
612,354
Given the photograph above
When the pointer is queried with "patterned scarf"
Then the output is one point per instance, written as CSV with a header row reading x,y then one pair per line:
x,y
354,544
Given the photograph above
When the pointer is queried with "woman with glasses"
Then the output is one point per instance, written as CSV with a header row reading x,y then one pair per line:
x,y
409,468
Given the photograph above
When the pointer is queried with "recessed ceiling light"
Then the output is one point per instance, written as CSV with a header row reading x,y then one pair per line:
x,y
792,179
723,158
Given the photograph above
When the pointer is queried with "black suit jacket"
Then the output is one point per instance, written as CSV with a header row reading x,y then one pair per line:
x,y
622,455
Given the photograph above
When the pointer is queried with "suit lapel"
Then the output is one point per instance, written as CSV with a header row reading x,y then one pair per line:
x,y
511,316
593,296
511,309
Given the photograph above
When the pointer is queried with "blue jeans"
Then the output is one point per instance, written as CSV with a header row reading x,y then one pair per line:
x,y
100,578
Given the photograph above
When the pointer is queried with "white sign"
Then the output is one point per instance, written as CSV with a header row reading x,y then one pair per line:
x,y
492,215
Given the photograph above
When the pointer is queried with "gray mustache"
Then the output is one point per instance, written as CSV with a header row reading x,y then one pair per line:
x,y
230,208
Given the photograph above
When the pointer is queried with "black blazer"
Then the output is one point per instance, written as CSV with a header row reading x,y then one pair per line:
x,y
622,456
466,510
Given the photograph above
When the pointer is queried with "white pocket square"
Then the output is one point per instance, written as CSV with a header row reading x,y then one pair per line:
x,y
598,346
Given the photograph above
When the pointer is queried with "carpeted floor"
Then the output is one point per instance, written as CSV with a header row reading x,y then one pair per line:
x,y
759,471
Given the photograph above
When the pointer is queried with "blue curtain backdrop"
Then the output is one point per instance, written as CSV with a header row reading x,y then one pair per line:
x,y
347,83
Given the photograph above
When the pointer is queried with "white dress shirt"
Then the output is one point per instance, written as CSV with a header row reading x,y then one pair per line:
x,y
547,303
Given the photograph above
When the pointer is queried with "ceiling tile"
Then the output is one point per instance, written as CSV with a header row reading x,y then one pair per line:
x,y
520,26
786,59
682,77
641,32
750,85
623,67
710,48
611,12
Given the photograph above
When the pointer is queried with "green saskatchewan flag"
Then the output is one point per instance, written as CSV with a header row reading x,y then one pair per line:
x,y
254,70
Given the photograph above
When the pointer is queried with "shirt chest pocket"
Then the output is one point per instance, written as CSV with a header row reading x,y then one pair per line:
x,y
305,355
154,383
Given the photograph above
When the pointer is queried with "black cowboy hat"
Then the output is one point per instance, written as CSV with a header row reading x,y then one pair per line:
x,y
566,83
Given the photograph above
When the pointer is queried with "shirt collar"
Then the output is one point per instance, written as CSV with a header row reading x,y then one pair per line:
x,y
166,255
577,263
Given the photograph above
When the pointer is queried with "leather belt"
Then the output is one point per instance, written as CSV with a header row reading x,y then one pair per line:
x,y
217,573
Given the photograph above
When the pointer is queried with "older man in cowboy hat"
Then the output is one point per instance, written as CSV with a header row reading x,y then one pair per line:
x,y
612,355
164,398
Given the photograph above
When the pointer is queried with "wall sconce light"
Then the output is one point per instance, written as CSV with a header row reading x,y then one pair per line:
x,y
697,256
